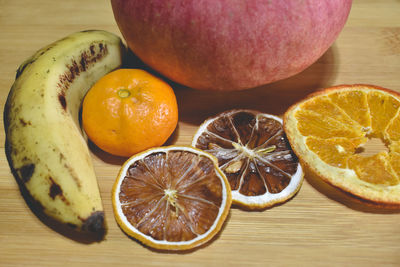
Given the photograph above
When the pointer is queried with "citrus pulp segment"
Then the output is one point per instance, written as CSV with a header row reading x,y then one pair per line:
x,y
254,154
329,130
171,198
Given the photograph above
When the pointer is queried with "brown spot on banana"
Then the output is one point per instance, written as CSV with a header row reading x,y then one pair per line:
x,y
26,172
63,101
23,122
73,175
88,57
91,48
55,190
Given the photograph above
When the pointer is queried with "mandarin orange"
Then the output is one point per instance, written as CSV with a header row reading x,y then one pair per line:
x,y
128,111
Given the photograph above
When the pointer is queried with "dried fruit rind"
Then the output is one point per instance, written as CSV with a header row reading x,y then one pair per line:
x,y
329,140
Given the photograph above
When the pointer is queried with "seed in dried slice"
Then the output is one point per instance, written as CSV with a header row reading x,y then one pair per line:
x,y
330,129
171,198
254,154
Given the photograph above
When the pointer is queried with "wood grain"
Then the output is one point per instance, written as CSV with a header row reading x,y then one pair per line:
x,y
319,226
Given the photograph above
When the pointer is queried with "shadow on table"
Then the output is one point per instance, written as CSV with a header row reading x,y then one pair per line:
x,y
275,98
191,250
345,198
196,105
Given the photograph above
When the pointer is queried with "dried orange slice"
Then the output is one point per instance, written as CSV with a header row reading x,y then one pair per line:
x,y
254,154
171,198
329,130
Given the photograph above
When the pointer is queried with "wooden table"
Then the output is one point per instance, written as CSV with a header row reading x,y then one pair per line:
x,y
320,226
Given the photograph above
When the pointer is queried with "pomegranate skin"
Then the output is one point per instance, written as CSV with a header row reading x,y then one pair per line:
x,y
229,44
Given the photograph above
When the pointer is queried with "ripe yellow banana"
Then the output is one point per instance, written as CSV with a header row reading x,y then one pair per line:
x,y
45,146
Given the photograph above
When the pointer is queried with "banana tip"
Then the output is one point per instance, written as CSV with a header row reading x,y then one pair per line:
x,y
94,223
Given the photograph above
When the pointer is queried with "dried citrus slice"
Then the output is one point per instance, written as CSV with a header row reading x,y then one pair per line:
x,y
254,154
330,129
172,198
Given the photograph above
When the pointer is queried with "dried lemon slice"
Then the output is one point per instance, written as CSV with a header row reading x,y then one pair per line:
x,y
172,198
254,154
329,130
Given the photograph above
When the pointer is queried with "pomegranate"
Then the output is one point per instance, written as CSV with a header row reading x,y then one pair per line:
x,y
229,44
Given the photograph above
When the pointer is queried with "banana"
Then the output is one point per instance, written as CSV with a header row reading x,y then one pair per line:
x,y
45,146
